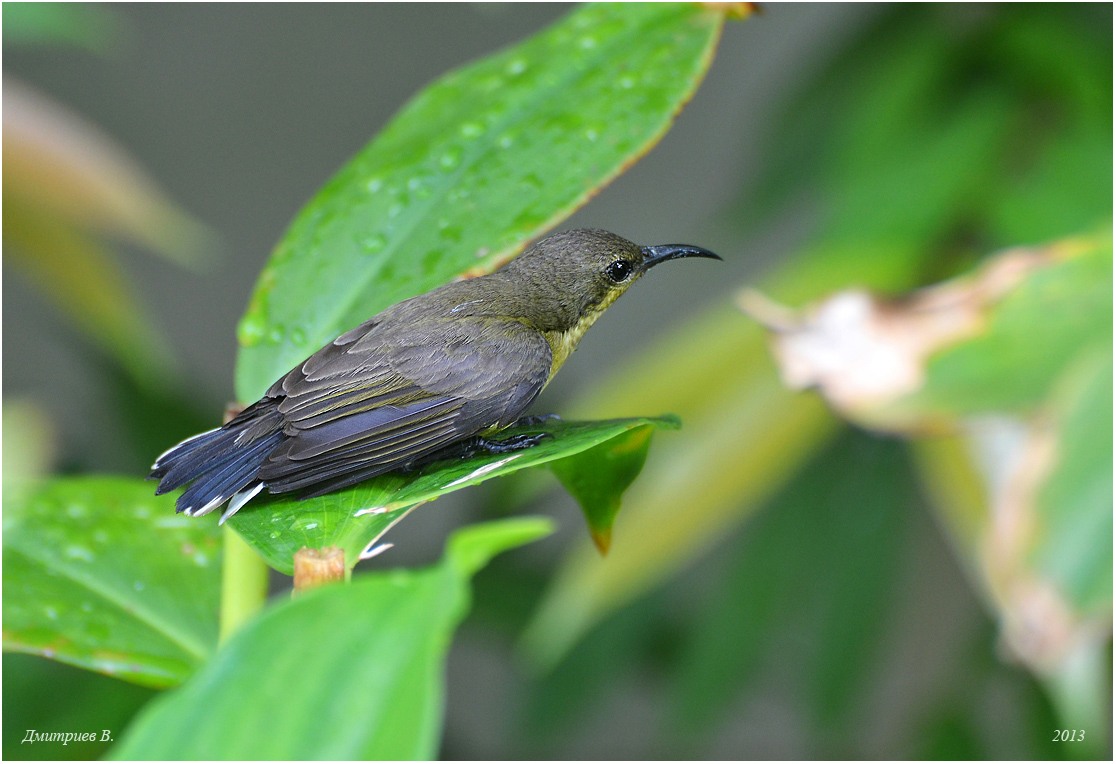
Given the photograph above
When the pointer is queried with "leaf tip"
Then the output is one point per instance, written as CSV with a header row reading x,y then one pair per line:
x,y
602,538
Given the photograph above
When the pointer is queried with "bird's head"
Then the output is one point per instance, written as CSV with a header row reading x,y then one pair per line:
x,y
575,275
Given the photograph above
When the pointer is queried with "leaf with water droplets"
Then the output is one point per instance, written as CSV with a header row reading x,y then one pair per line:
x,y
100,574
341,672
479,163
356,518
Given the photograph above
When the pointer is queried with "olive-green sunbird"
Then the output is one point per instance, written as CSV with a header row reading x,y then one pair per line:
x,y
429,377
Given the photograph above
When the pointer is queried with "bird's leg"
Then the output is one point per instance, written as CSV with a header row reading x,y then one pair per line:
x,y
534,420
478,446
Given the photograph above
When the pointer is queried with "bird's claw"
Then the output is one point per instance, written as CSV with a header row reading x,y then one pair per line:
x,y
514,443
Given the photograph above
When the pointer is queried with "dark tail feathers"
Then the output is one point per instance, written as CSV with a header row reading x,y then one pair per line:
x,y
222,462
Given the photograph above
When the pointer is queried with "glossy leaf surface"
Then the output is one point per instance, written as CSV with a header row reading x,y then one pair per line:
x,y
341,672
471,169
100,573
355,518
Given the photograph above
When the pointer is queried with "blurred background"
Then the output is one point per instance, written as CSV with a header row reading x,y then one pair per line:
x,y
823,609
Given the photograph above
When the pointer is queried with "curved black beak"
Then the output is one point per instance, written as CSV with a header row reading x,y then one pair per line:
x,y
660,253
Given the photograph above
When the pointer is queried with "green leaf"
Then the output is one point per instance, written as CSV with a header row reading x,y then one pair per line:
x,y
342,672
598,477
1068,189
356,518
1058,308
101,574
476,165
1074,505
994,340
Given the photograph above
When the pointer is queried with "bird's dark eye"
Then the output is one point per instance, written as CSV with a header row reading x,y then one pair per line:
x,y
619,270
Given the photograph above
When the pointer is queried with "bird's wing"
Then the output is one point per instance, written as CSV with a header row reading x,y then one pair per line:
x,y
392,391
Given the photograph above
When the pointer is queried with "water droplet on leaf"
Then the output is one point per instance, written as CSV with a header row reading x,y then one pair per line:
x,y
251,330
451,158
77,552
471,129
374,243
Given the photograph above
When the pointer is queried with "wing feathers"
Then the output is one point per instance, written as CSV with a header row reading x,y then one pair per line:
x,y
395,389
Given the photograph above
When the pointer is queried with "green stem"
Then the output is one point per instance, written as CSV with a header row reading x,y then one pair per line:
x,y
243,584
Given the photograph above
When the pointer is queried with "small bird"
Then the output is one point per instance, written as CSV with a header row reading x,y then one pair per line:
x,y
429,378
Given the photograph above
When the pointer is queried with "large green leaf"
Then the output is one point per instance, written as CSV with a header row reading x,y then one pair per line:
x,y
356,518
342,672
476,165
100,573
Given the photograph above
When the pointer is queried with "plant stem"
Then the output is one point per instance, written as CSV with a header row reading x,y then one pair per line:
x,y
316,567
243,584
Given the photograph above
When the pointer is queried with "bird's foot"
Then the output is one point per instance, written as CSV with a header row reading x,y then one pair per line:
x,y
479,446
536,419
514,443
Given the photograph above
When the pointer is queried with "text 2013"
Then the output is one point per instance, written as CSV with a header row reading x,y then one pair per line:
x,y
1069,736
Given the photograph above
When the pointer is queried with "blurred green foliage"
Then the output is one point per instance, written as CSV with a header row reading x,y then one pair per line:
x,y
940,136
93,27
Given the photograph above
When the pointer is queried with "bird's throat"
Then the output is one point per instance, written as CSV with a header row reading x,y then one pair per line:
x,y
563,343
